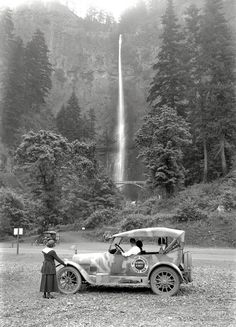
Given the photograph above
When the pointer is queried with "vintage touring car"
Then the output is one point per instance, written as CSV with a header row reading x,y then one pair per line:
x,y
45,236
162,264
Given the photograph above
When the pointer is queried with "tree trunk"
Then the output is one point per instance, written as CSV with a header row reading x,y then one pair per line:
x,y
222,155
205,171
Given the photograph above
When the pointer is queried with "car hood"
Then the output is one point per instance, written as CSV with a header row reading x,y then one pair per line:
x,y
89,258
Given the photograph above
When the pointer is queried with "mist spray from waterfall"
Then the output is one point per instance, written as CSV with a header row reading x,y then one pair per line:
x,y
120,159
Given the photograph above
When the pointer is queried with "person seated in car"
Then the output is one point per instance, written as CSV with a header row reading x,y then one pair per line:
x,y
140,245
134,248
162,244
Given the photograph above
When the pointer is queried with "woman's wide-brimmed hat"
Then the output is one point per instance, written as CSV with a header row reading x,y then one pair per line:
x,y
50,243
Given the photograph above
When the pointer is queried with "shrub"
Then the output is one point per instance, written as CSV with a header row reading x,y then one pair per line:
x,y
138,220
12,211
100,217
228,199
146,207
189,211
209,196
154,205
67,227
135,221
160,219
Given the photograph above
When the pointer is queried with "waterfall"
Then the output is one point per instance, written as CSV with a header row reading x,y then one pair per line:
x,y
120,158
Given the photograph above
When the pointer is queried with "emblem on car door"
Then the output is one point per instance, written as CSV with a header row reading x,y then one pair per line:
x,y
139,265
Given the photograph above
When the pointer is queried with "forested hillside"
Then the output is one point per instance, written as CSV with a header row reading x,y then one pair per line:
x,y
84,57
59,88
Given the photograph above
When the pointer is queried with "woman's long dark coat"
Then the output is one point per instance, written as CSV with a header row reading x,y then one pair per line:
x,y
48,270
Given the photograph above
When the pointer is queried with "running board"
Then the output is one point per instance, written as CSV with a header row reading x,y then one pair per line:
x,y
106,279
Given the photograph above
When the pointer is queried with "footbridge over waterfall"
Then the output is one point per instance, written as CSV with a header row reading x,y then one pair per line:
x,y
136,183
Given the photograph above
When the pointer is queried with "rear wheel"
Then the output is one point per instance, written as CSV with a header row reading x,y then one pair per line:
x,y
69,280
165,281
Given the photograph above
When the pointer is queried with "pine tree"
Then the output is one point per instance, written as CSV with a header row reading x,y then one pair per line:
x,y
92,122
218,60
167,87
13,103
192,53
196,113
164,132
6,35
85,128
69,121
6,42
160,141
37,72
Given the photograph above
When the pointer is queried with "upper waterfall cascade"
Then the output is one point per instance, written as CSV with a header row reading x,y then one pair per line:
x,y
120,159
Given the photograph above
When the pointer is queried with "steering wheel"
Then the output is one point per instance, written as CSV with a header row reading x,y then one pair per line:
x,y
118,248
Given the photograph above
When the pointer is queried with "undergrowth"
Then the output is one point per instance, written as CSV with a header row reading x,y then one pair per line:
x,y
194,210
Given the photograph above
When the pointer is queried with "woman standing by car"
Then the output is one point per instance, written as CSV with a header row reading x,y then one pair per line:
x,y
48,270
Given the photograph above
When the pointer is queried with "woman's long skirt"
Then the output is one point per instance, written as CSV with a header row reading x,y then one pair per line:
x,y
49,283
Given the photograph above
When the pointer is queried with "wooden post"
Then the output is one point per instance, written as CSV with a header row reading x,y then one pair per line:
x,y
17,248
17,231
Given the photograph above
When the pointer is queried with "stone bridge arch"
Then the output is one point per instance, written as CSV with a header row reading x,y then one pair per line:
x,y
140,184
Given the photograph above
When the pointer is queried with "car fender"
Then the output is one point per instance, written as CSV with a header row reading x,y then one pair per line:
x,y
168,264
81,270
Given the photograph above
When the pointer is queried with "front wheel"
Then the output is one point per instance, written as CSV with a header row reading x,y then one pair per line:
x,y
165,281
69,280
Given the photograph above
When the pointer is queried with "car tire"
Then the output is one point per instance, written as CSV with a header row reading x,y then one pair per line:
x,y
165,281
69,280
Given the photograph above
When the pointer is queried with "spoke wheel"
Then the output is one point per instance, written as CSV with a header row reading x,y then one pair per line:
x,y
69,280
165,281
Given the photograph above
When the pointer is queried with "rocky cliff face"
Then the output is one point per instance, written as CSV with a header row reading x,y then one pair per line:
x,y
87,60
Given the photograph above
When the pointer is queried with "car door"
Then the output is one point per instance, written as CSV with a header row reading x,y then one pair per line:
x,y
118,265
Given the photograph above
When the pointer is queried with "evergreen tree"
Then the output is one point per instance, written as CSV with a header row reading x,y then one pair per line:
x,y
164,134
160,140
85,128
61,120
37,72
13,102
167,87
13,211
69,122
88,126
92,122
218,60
6,35
192,54
6,42
196,113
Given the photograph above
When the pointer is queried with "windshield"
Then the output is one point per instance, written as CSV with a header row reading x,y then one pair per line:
x,y
113,241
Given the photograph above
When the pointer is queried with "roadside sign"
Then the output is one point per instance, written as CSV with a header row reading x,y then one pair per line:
x,y
17,232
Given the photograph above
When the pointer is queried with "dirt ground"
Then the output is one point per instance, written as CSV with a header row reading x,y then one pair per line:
x,y
209,301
